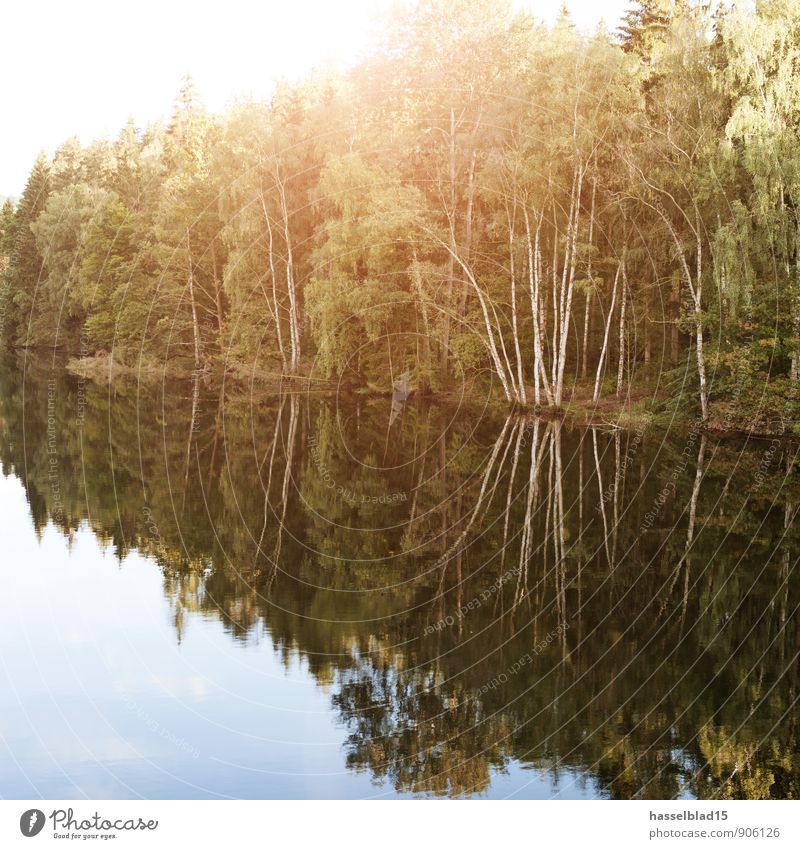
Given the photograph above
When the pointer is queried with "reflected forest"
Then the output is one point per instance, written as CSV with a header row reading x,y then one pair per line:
x,y
615,609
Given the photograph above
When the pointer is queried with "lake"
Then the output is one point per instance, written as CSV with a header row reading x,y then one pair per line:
x,y
214,592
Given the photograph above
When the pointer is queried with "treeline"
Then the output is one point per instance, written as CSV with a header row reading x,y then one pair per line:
x,y
482,196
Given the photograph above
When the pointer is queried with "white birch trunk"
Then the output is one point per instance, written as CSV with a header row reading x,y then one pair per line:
x,y
195,324
522,397
604,349
275,305
623,302
534,277
294,327
500,368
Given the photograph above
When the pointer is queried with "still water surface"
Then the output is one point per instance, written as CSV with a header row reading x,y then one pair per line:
x,y
208,593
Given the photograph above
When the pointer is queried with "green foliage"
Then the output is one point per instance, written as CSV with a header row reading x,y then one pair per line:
x,y
395,202
24,262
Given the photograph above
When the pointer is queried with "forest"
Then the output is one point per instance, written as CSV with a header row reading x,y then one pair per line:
x,y
609,218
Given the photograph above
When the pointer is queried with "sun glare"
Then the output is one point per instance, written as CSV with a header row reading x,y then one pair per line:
x,y
117,62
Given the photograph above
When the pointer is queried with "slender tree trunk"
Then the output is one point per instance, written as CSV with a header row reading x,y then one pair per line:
x,y
512,380
445,351
568,285
268,485
623,302
674,352
617,474
795,296
588,305
276,306
294,402
499,366
194,427
217,294
294,326
519,428
195,323
450,550
554,295
426,342
559,535
602,501
604,349
521,395
701,360
698,477
586,326
696,291
534,277
467,249
527,525
698,313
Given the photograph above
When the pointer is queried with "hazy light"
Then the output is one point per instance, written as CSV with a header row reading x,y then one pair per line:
x,y
83,68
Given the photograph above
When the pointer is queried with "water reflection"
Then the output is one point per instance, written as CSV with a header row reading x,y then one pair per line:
x,y
472,594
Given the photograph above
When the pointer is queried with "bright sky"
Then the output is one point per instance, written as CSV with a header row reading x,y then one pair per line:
x,y
84,67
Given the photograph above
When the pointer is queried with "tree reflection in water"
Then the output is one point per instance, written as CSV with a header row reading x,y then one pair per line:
x,y
475,590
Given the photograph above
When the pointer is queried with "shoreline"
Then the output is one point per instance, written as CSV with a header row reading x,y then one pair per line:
x,y
630,415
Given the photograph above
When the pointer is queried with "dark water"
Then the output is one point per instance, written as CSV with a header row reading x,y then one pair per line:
x,y
219,593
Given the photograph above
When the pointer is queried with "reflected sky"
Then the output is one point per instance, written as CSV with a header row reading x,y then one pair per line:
x,y
99,699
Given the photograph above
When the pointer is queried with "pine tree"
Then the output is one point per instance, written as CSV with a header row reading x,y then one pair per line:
x,y
645,25
8,230
25,262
